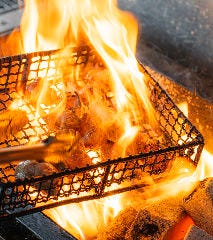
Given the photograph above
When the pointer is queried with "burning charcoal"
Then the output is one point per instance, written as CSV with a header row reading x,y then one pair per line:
x,y
119,226
196,233
154,221
32,168
11,122
44,169
25,169
199,205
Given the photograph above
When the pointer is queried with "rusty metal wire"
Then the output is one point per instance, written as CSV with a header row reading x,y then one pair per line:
x,y
92,181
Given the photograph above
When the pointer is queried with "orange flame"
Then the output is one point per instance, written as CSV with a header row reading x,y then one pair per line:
x,y
84,220
112,32
184,108
48,25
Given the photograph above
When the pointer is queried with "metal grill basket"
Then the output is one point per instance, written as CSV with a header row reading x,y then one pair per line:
x,y
93,181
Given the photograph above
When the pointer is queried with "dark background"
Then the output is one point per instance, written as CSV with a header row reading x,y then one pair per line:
x,y
181,30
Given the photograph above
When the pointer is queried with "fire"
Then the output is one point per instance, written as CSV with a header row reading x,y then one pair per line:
x,y
184,108
84,220
52,25
182,178
205,166
112,32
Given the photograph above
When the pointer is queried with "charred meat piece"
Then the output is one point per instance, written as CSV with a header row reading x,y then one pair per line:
x,y
67,120
78,159
72,101
11,122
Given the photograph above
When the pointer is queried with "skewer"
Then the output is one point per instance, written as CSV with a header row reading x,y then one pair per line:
x,y
51,146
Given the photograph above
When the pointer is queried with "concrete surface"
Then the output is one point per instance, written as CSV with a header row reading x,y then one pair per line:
x,y
181,30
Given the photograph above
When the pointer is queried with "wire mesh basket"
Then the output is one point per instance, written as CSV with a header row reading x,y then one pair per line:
x,y
111,176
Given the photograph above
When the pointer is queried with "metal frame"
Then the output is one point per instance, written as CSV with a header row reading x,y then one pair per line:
x,y
18,198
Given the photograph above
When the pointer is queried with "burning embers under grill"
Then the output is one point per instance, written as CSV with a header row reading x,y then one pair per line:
x,y
79,181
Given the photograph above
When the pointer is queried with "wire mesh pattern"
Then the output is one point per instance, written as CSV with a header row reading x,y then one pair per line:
x,y
17,73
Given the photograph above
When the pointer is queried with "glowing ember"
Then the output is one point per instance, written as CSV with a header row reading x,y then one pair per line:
x,y
112,33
